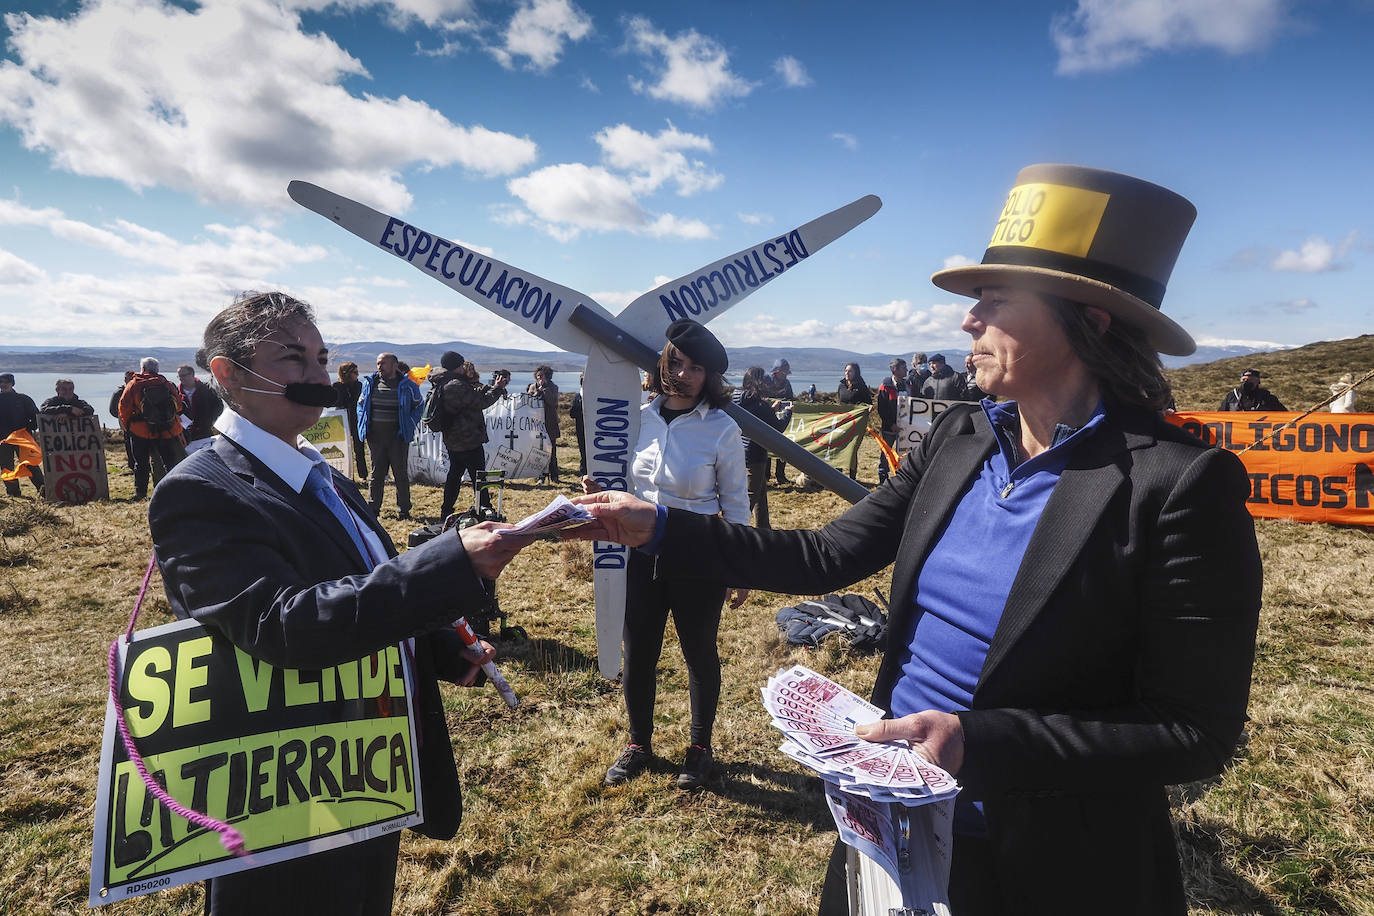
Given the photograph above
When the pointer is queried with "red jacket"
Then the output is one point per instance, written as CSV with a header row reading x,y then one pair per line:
x,y
131,406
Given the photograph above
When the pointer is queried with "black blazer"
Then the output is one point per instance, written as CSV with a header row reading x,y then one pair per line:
x,y
274,572
1121,663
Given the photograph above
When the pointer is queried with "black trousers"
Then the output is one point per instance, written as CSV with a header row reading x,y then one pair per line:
x,y
695,606
9,457
758,492
169,450
389,453
356,880
473,462
360,456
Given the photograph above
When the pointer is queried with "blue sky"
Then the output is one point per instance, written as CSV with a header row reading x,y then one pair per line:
x,y
145,149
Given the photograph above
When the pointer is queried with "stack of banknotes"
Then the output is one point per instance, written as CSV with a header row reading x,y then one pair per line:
x,y
818,717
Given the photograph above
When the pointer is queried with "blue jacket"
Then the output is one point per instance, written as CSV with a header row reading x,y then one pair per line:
x,y
409,406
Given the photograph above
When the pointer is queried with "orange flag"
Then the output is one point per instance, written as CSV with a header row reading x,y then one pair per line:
x,y
894,461
30,455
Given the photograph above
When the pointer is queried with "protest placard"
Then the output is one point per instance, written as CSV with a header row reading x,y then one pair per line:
x,y
297,761
330,438
73,458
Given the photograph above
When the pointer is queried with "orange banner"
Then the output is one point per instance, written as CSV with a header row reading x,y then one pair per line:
x,y
1320,469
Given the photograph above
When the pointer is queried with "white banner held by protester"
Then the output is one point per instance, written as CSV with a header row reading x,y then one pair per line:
x,y
516,440
516,443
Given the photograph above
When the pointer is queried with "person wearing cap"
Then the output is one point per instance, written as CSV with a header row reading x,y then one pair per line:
x,y
463,398
17,412
780,389
689,456
1248,395
943,383
920,371
1076,584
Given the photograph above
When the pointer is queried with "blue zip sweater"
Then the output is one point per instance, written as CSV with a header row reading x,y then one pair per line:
x,y
409,405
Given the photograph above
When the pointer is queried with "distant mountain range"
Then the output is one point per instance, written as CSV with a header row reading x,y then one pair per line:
x,y
807,360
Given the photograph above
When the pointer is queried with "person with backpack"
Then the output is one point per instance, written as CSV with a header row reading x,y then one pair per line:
x,y
150,411
454,407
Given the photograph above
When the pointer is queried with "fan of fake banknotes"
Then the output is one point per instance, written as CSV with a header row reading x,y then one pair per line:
x,y
818,717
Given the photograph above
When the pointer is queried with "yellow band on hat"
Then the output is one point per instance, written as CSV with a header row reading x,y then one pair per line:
x,y
1051,217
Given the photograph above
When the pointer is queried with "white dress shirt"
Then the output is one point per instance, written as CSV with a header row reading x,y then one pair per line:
x,y
694,463
292,465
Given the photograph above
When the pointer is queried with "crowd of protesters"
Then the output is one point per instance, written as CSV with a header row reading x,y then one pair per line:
x,y
162,419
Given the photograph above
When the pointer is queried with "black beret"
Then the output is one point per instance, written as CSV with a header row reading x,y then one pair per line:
x,y
698,344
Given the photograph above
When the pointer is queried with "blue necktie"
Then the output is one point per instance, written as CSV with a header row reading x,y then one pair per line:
x,y
322,485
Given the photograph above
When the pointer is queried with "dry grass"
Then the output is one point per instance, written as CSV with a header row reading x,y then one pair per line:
x,y
1285,830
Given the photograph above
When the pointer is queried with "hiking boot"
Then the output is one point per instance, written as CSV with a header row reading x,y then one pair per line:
x,y
403,515
696,768
631,763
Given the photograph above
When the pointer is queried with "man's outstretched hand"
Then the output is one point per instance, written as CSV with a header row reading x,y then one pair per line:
x,y
620,518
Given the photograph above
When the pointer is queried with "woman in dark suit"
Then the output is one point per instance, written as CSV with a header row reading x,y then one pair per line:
x,y
262,543
1077,582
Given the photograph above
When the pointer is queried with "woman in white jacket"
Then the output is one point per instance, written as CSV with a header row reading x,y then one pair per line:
x,y
689,456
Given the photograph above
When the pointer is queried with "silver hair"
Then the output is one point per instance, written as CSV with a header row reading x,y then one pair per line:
x,y
148,364
234,333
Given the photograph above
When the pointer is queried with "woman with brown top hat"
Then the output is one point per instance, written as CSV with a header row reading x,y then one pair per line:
x,y
689,456
1077,583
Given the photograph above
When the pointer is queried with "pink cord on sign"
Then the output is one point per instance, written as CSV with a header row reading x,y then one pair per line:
x,y
229,838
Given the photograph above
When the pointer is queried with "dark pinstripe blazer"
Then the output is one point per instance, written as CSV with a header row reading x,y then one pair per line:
x,y
1121,663
274,572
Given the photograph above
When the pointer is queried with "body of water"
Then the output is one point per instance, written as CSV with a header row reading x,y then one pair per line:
x,y
96,387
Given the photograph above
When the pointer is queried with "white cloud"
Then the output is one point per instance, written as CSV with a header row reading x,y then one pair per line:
x,y
848,141
152,288
382,282
792,72
155,289
957,260
1109,34
15,271
539,30
897,325
755,219
655,159
567,198
233,251
690,68
229,102
1240,342
446,14
1316,255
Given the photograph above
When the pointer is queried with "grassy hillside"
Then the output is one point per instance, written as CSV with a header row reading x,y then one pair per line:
x,y
1287,829
1298,377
